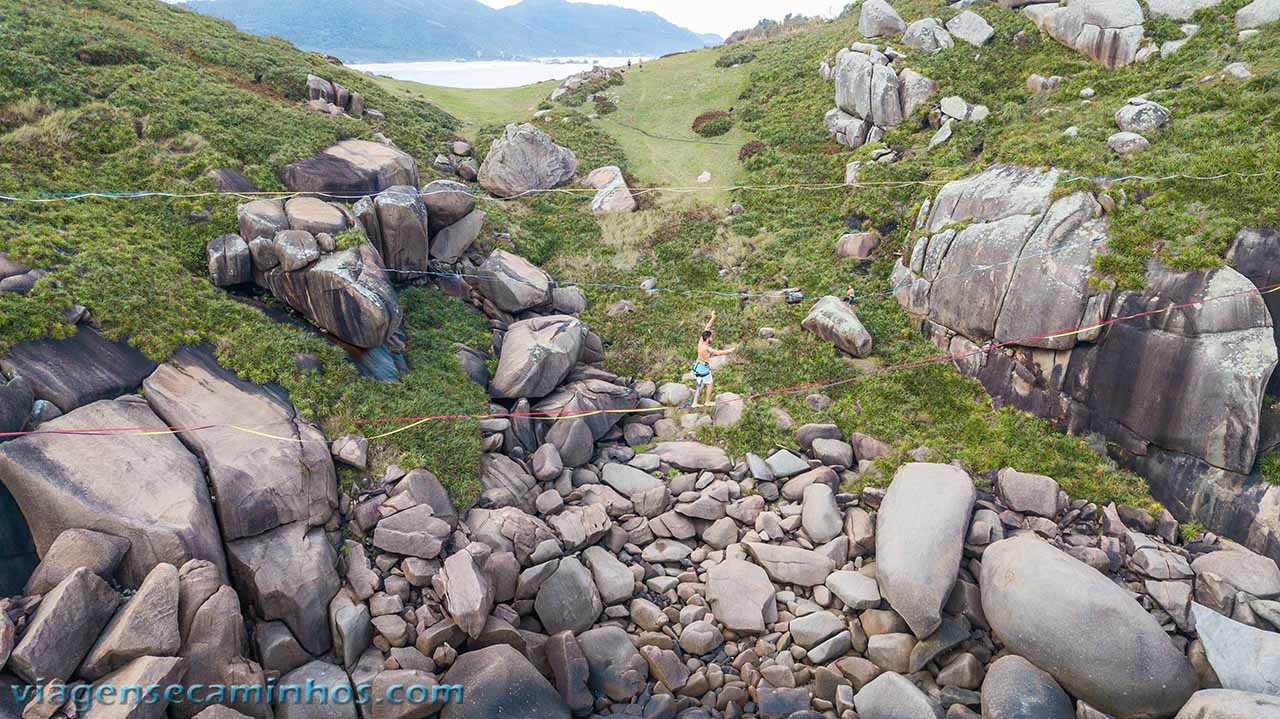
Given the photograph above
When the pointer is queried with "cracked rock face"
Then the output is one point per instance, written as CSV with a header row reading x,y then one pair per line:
x,y
1109,31
1179,392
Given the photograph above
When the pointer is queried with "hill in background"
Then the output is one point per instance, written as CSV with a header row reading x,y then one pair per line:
x,y
407,30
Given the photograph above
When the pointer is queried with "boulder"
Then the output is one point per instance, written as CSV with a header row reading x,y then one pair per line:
x,y
693,456
313,215
1243,570
414,532
1255,253
1028,493
537,354
920,533
350,169
509,529
325,680
63,628
345,293
512,283
295,249
261,483
858,245
1077,625
261,218
836,322
523,160
927,35
574,438
452,242
820,515
1244,658
229,261
878,18
147,625
791,565
741,596
617,669
1109,31
1257,14
160,505
228,179
16,399
402,228
893,696
1228,704
469,592
1015,689
971,27
290,574
1127,143
1141,115
615,196
212,644
868,91
447,201
141,672
80,369
568,599
498,681
74,548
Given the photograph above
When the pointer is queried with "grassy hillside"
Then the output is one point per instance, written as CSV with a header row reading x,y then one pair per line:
x,y
786,238
127,95
477,108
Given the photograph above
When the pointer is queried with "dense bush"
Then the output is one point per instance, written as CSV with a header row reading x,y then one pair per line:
x,y
741,57
751,148
605,106
713,124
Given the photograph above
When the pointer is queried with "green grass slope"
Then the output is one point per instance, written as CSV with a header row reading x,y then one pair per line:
x,y
126,95
476,108
786,238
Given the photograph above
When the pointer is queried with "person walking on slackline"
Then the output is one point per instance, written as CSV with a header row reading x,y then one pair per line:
x,y
702,367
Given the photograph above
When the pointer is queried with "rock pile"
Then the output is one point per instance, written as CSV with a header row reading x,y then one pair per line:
x,y
1109,31
985,283
871,96
330,97
459,160
16,277
597,75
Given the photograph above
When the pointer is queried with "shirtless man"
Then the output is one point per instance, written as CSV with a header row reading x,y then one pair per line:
x,y
702,368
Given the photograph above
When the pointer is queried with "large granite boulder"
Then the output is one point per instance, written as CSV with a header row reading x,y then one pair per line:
x,y
289,573
78,370
148,489
523,160
345,293
350,169
693,456
100,553
212,645
1229,704
1256,255
499,681
261,218
512,283
261,483
452,242
147,625
1088,633
568,599
1244,658
64,627
537,354
1014,688
877,18
313,215
868,91
447,201
1109,31
836,322
402,228
327,680
16,398
616,668
1177,392
229,261
741,596
920,533
120,688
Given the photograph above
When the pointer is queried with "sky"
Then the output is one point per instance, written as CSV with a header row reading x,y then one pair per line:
x,y
718,16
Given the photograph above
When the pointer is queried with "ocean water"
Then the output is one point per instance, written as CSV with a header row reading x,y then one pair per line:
x,y
489,73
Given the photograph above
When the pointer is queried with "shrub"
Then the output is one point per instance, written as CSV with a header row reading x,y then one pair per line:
x,y
605,106
713,124
742,57
751,148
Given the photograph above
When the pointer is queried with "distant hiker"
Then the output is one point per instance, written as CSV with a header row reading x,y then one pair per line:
x,y
628,64
850,297
702,368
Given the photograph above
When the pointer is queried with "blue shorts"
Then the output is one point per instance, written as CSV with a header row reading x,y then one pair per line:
x,y
702,372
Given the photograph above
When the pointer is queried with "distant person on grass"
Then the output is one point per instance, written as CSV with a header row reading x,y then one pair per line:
x,y
702,368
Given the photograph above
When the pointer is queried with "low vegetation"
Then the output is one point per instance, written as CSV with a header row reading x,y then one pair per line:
x,y
90,101
713,124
